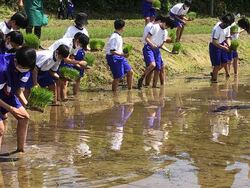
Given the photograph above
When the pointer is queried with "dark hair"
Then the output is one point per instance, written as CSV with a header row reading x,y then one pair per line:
x,y
244,24
188,3
169,21
158,18
76,36
83,40
2,42
16,37
20,19
26,57
119,24
228,18
63,50
81,19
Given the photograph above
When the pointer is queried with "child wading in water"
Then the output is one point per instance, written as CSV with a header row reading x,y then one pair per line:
x,y
219,46
116,58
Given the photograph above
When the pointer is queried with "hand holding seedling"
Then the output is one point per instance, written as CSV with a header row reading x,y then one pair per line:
x,y
17,113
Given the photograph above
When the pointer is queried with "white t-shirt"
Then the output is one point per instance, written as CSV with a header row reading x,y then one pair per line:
x,y
235,36
146,31
66,41
115,43
4,28
158,35
220,34
72,30
179,10
45,61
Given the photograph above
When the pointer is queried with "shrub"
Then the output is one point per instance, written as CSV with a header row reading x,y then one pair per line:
x,y
39,98
31,40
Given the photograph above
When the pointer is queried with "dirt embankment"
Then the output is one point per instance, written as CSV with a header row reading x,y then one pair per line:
x,y
194,58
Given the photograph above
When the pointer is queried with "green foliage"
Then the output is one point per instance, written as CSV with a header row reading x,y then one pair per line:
x,y
234,45
31,40
127,49
157,4
234,29
90,59
69,73
192,15
177,47
39,98
96,44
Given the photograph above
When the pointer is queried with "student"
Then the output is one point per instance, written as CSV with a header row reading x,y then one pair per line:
x,y
116,58
70,9
151,51
244,25
80,22
178,12
149,12
13,41
47,64
14,73
80,46
219,46
61,10
17,21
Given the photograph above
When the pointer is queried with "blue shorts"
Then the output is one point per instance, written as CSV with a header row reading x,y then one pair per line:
x,y
11,100
177,22
45,79
29,84
119,65
148,10
217,55
152,55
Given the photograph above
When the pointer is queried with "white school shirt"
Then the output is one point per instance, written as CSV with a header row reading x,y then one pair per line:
x,y
45,61
115,43
72,30
235,36
179,10
65,41
220,34
146,31
158,35
4,28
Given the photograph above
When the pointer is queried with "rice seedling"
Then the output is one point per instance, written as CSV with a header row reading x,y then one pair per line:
x,y
90,59
39,98
234,45
31,40
69,73
234,29
192,15
176,48
156,4
96,45
172,35
127,49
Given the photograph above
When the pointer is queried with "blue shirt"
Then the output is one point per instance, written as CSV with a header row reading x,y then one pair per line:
x,y
10,79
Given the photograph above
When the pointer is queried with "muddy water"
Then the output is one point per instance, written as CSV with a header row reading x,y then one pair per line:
x,y
188,134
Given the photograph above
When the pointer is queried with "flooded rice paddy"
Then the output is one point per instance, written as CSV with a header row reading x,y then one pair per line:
x,y
188,134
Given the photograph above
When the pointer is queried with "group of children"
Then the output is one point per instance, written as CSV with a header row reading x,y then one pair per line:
x,y
22,68
65,9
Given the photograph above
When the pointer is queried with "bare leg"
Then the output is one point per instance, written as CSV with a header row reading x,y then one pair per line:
x,y
1,133
115,84
162,76
59,89
235,65
229,66
156,76
146,72
130,79
53,88
64,89
181,32
148,78
225,66
76,87
215,72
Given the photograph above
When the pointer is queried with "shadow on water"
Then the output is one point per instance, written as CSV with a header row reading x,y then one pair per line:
x,y
188,134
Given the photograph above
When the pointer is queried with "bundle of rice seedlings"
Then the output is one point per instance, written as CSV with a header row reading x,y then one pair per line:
x,y
192,15
156,4
177,47
39,98
90,59
69,73
127,49
31,40
234,45
172,35
96,44
234,29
